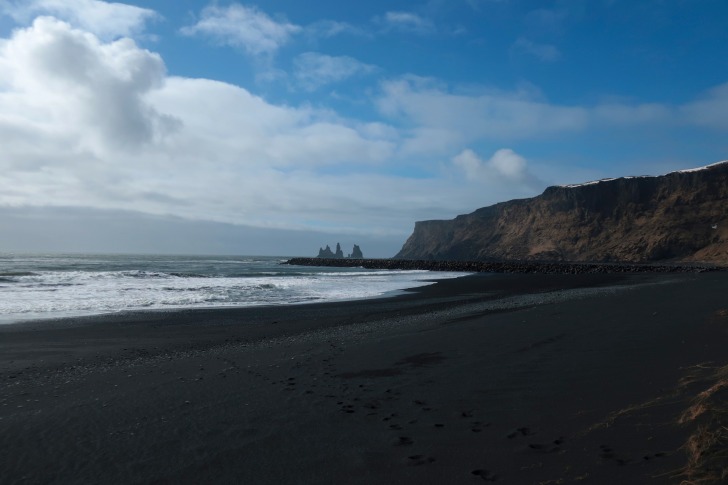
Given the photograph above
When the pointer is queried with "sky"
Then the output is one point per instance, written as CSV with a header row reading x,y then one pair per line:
x,y
277,127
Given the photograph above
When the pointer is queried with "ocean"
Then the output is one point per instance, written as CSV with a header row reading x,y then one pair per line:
x,y
49,286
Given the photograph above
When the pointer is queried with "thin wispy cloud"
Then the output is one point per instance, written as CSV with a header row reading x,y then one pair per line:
x,y
711,110
326,29
443,119
314,70
547,20
542,52
406,22
245,27
440,119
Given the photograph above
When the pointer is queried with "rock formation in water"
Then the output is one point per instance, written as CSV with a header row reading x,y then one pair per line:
x,y
356,253
339,254
325,253
679,216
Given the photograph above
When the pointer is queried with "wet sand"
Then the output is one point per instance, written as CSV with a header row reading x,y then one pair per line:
x,y
488,378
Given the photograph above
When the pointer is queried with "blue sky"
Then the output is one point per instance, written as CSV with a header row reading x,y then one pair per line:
x,y
352,119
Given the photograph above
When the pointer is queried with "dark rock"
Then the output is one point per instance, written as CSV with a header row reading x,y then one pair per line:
x,y
356,253
339,254
325,253
506,266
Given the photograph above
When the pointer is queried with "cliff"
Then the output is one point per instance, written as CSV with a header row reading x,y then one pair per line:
x,y
679,216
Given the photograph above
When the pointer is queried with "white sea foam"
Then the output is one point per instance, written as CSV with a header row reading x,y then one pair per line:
x,y
40,293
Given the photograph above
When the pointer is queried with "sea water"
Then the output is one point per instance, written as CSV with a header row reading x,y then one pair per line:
x,y
45,286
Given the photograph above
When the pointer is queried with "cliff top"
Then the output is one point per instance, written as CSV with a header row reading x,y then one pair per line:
x,y
687,170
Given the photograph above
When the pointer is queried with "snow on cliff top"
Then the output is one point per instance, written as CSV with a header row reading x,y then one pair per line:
x,y
688,170
701,168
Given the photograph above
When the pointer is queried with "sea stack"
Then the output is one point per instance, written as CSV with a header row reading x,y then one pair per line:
x,y
356,253
327,253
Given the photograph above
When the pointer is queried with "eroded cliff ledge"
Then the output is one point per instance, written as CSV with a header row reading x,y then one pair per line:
x,y
679,216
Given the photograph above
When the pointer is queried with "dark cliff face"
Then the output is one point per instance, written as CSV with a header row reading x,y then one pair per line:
x,y
678,216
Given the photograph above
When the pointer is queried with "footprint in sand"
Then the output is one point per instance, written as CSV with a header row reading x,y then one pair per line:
x,y
477,426
608,454
654,455
485,475
420,460
553,447
520,432
404,441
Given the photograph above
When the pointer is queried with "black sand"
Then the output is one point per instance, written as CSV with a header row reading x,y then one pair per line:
x,y
495,378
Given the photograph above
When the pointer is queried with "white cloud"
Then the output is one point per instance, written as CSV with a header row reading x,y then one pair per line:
x,y
249,132
93,124
245,27
470,163
543,52
89,123
106,20
505,164
443,120
439,120
313,69
62,78
407,22
710,111
508,163
331,28
623,114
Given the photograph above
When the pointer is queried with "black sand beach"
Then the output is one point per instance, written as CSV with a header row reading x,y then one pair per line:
x,y
528,378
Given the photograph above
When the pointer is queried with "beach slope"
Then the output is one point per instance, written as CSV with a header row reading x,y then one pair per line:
x,y
528,378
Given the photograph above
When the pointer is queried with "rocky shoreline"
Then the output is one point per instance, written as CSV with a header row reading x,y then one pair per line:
x,y
506,266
